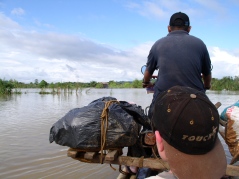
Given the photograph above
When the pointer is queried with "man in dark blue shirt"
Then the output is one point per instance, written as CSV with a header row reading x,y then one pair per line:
x,y
181,59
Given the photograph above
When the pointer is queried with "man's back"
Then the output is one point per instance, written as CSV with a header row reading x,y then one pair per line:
x,y
181,59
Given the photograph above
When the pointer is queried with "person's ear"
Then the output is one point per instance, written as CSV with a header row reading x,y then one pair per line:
x,y
159,141
160,146
169,29
189,28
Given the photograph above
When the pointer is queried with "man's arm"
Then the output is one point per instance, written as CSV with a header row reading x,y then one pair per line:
x,y
207,81
147,77
206,70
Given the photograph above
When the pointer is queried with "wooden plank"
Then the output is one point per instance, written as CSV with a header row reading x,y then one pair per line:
x,y
89,155
157,164
152,163
232,170
112,155
72,153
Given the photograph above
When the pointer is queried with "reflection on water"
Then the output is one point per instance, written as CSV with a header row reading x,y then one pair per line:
x,y
26,120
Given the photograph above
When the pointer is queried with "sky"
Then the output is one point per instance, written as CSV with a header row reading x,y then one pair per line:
x,y
104,40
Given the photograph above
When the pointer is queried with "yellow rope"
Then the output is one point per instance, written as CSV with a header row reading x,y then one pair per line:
x,y
104,126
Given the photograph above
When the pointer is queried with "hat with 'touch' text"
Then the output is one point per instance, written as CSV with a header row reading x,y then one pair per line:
x,y
188,122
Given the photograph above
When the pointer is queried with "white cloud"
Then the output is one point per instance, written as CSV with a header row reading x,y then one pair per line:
x,y
221,55
163,9
39,24
29,55
7,23
213,5
224,63
152,10
156,9
18,11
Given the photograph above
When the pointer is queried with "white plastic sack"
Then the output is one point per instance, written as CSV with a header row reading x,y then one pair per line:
x,y
232,132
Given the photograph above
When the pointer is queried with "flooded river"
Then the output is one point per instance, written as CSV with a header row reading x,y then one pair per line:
x,y
25,122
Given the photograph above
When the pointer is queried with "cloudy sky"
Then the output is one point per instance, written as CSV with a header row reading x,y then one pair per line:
x,y
103,40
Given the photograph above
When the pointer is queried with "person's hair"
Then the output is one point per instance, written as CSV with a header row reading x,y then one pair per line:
x,y
178,25
179,28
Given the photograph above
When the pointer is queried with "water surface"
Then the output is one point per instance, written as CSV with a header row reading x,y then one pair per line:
x,y
25,122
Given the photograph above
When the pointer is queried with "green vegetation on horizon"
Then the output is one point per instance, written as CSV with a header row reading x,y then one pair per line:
x,y
7,87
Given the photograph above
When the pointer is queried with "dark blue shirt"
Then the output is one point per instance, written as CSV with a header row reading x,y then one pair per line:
x,y
180,59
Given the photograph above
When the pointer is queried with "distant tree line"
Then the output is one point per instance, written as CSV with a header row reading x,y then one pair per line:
x,y
226,83
13,86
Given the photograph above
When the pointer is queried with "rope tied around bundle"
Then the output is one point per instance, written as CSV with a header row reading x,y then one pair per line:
x,y
104,126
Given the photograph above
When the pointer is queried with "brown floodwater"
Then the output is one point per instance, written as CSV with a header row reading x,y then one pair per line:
x,y
25,122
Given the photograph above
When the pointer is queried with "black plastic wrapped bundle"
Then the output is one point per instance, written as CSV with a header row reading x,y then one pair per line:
x,y
81,127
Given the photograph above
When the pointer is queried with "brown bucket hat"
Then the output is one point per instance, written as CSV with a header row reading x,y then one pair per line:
x,y
188,122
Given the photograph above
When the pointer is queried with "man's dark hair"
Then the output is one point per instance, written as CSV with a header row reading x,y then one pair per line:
x,y
178,25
